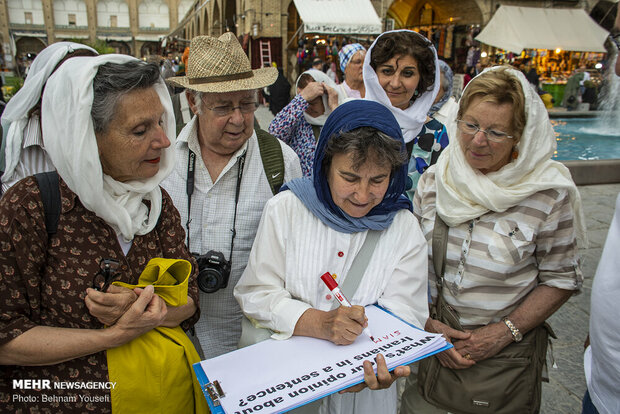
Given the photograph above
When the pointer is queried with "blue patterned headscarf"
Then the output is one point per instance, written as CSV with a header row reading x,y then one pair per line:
x,y
447,73
314,192
347,52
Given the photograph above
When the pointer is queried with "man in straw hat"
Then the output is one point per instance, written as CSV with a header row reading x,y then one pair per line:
x,y
220,156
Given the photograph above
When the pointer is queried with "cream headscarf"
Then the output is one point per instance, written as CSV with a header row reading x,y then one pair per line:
x,y
15,115
464,193
319,76
70,141
412,119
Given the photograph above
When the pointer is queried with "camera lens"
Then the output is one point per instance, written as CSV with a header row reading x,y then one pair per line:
x,y
209,280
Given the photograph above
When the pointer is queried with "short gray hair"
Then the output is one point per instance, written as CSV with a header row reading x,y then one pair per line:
x,y
113,81
365,144
198,98
444,82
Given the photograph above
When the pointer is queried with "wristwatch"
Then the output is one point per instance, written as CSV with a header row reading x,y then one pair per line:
x,y
516,334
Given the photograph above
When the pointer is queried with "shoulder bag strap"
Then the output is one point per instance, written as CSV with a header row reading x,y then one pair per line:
x,y
440,244
360,263
272,158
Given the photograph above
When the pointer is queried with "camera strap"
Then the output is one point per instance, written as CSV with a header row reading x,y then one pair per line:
x,y
191,170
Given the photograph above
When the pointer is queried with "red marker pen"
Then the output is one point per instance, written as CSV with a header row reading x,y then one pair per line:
x,y
333,286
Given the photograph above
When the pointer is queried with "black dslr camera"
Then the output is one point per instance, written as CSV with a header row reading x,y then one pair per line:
x,y
213,271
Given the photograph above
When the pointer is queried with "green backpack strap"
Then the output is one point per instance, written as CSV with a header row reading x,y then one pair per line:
x,y
272,158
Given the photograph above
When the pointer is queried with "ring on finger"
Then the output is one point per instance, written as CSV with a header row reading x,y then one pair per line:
x,y
467,356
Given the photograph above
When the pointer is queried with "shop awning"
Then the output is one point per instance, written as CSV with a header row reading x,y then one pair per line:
x,y
114,38
149,38
516,28
338,16
29,34
71,35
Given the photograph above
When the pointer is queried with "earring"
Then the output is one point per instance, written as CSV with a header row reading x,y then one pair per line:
x,y
515,153
416,93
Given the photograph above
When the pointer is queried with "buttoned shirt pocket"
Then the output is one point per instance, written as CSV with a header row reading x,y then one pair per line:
x,y
511,242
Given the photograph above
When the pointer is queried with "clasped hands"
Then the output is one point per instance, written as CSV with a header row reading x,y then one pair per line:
x,y
131,311
469,345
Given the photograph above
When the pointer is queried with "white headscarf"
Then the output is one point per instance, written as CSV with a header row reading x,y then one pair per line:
x,y
464,193
412,119
70,141
15,115
319,76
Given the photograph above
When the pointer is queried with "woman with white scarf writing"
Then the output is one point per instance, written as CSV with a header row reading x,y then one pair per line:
x,y
401,72
106,122
513,217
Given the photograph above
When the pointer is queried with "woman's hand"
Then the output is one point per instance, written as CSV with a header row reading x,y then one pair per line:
x,y
383,379
332,97
484,342
109,306
343,324
312,91
340,326
146,313
450,358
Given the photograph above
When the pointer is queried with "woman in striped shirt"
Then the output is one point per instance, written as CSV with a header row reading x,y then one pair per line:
x,y
513,216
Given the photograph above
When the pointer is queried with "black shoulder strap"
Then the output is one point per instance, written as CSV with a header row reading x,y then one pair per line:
x,y
50,196
273,159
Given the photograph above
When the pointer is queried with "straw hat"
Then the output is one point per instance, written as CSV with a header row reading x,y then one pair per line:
x,y
221,65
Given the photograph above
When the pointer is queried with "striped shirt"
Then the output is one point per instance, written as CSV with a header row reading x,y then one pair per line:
x,y
32,158
495,260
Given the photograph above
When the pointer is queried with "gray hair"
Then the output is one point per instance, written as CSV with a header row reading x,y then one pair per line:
x,y
198,98
113,81
444,82
365,144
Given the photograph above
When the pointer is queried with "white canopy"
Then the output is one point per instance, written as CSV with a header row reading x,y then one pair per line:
x,y
338,16
516,28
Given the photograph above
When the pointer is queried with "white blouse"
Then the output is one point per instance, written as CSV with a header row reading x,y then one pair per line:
x,y
293,248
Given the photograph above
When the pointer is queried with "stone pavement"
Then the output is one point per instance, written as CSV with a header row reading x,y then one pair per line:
x,y
564,392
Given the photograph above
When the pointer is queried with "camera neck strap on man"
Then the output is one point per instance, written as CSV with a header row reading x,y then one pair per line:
x,y
191,171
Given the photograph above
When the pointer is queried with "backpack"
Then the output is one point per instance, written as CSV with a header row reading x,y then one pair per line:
x,y
50,196
272,158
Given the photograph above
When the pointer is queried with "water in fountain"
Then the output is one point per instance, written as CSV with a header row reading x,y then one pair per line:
x,y
608,122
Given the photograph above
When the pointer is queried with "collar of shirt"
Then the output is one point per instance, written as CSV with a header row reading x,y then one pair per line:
x,y
32,133
351,93
191,139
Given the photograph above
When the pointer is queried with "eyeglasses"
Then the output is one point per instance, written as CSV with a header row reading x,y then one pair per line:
x,y
106,275
225,110
492,135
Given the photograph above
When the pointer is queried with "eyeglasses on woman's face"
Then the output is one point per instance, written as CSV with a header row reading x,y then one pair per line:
x,y
493,135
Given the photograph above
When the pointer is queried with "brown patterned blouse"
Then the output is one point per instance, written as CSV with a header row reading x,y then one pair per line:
x,y
44,283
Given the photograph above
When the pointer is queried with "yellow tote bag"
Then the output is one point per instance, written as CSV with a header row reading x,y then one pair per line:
x,y
153,373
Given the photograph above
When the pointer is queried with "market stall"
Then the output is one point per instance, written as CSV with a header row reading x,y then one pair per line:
x,y
556,42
